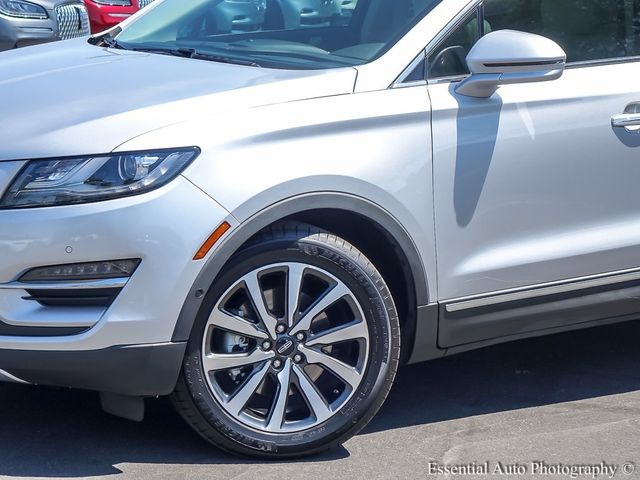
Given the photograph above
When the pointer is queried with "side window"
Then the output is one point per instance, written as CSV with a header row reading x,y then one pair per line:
x,y
417,74
586,30
449,58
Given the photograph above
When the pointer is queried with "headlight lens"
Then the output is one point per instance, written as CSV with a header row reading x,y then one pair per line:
x,y
68,181
19,8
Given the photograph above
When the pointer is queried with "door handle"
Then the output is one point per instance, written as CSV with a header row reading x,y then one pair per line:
x,y
629,120
626,120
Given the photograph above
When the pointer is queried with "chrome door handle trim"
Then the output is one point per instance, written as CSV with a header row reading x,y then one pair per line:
x,y
626,120
542,290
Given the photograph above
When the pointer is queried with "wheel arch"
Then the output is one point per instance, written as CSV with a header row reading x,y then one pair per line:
x,y
366,225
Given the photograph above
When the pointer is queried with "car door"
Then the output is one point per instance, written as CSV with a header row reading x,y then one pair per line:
x,y
537,205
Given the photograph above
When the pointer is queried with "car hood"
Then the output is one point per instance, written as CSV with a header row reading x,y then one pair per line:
x,y
74,98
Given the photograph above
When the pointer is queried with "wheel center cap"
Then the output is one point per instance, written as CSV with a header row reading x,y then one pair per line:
x,y
285,346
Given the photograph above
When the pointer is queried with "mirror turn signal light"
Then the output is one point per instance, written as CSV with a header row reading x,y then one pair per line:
x,y
212,240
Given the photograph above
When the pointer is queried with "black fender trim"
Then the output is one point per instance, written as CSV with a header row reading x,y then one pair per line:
x,y
424,346
286,208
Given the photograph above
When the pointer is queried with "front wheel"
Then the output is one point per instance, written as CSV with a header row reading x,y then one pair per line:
x,y
294,350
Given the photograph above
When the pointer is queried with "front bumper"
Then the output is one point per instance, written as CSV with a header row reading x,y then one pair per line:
x,y
163,228
22,32
135,370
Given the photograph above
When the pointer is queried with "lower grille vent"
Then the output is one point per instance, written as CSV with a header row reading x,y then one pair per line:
x,y
94,297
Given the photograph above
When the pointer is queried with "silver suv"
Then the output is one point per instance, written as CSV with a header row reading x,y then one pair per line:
x,y
24,23
264,225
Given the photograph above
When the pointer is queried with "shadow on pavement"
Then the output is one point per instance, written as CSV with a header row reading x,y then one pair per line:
x,y
61,433
541,371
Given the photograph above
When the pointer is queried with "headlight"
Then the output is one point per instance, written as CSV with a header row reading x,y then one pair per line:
x,y
116,3
68,181
21,9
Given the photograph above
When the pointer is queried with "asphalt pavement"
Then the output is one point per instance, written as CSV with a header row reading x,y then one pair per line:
x,y
567,401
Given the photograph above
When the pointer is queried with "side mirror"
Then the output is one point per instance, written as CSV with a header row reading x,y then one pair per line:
x,y
507,57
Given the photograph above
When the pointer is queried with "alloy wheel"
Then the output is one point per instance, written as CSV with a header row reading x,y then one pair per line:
x,y
285,347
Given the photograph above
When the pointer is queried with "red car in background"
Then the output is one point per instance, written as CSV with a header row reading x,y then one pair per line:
x,y
104,14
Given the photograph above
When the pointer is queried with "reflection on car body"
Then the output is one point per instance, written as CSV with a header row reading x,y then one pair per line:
x,y
239,15
245,15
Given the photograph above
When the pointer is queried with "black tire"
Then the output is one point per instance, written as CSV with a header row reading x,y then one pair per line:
x,y
296,242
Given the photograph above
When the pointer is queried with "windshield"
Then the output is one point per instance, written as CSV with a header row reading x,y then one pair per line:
x,y
296,34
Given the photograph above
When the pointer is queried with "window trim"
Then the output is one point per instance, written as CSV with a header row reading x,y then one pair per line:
x,y
478,11
401,81
603,62
435,41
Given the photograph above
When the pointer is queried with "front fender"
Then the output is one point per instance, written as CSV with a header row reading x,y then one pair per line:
x,y
285,208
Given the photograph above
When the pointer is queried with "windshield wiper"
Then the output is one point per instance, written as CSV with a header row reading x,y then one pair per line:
x,y
107,40
196,55
111,42
222,59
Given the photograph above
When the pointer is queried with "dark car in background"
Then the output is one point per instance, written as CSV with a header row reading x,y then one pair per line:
x,y
25,23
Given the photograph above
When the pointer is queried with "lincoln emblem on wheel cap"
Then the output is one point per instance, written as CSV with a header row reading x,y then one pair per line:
x,y
285,346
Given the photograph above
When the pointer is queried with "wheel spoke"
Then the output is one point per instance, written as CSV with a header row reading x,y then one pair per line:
x,y
316,402
246,391
348,374
215,361
247,376
255,292
236,324
332,296
280,405
294,285
342,333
